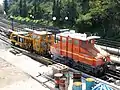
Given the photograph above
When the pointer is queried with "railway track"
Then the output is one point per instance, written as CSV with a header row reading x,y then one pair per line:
x,y
108,43
114,74
17,50
46,61
22,26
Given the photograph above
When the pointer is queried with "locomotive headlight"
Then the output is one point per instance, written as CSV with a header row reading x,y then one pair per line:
x,y
104,59
98,56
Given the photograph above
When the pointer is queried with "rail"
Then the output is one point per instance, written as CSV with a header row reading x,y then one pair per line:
x,y
97,79
108,43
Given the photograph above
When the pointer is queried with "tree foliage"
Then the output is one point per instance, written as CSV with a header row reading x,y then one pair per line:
x,y
1,9
6,6
101,16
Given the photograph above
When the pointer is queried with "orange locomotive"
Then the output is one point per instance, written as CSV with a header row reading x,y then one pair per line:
x,y
77,49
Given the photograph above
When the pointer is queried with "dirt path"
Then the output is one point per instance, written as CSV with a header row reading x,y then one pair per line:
x,y
12,78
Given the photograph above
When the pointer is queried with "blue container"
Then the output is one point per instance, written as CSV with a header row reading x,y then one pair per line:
x,y
77,86
89,83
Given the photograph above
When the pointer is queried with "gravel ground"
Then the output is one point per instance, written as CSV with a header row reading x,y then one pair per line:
x,y
28,84
12,77
4,45
10,74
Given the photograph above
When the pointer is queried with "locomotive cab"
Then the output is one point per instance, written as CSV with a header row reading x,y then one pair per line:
x,y
42,41
80,51
15,37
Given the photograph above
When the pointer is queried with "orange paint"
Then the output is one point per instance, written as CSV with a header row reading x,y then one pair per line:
x,y
78,50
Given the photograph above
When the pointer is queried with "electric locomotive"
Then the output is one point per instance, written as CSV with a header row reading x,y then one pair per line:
x,y
79,51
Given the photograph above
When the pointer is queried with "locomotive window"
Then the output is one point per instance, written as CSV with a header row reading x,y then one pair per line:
x,y
69,40
76,42
34,36
57,39
92,41
89,41
21,39
38,37
15,37
49,37
83,43
43,37
63,39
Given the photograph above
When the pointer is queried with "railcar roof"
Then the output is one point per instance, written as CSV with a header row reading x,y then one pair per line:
x,y
78,36
41,32
28,29
18,33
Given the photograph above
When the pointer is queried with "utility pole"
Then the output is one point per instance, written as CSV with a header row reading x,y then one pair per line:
x,y
11,17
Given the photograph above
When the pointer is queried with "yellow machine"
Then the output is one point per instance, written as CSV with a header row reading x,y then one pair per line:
x,y
37,41
42,41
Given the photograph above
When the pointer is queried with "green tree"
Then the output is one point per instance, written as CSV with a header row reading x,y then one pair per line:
x,y
25,11
20,7
85,6
56,10
93,18
101,16
14,9
72,13
1,9
6,6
